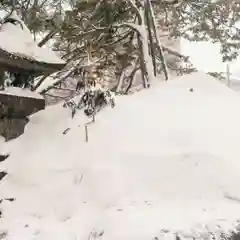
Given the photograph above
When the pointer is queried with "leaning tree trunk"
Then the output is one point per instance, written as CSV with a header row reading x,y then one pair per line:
x,y
146,63
120,81
152,48
2,78
159,47
131,77
142,38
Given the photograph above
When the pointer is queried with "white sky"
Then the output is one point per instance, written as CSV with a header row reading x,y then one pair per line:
x,y
206,57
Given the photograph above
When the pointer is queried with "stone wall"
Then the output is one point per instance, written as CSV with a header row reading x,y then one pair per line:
x,y
14,112
11,128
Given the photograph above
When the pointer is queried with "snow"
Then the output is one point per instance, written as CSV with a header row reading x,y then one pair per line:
x,y
143,34
52,79
164,158
15,91
2,140
64,73
18,41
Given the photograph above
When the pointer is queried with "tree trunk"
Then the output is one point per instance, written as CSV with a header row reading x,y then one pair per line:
x,y
120,81
1,78
152,48
144,72
159,47
131,79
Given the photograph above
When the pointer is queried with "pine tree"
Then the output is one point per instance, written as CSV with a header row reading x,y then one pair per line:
x,y
112,28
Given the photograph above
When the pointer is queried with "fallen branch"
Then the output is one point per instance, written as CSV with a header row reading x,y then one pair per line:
x,y
173,52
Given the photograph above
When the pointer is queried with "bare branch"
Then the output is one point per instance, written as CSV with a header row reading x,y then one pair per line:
x,y
50,35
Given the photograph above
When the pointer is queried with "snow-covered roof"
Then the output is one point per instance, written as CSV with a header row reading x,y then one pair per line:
x,y
15,91
16,39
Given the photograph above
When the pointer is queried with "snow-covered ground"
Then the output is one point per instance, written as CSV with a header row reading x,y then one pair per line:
x,y
163,158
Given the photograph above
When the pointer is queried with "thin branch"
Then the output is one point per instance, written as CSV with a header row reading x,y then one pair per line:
x,y
173,52
131,79
136,11
50,35
39,83
54,96
57,82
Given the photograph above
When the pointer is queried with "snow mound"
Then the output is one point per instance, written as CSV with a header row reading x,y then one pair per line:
x,y
166,157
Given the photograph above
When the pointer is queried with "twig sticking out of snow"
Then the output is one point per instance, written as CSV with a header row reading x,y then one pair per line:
x,y
86,133
66,131
2,175
3,157
7,199
232,198
95,235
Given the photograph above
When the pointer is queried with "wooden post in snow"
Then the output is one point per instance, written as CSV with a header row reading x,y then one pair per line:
x,y
228,76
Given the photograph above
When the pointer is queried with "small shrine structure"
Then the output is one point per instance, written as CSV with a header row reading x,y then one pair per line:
x,y
21,56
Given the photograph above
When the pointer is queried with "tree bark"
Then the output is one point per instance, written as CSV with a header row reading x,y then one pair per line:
x,y
131,79
159,47
120,81
1,78
152,48
144,72
50,35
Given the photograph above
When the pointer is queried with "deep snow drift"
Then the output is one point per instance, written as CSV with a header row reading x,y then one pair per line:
x,y
166,157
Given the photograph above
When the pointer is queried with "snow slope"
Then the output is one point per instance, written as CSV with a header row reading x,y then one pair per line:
x,y
164,158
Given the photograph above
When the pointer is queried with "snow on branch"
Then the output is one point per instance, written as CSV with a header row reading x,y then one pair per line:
x,y
136,10
137,28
